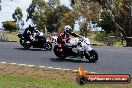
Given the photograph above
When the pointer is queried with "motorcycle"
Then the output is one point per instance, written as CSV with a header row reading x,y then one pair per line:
x,y
27,42
76,47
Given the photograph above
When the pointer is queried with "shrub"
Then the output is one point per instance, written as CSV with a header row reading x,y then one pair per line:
x,y
107,39
10,26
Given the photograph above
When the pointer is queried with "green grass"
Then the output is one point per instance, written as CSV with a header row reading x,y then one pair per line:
x,y
120,44
12,81
8,81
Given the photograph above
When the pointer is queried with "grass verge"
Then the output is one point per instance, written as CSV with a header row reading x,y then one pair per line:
x,y
14,76
12,36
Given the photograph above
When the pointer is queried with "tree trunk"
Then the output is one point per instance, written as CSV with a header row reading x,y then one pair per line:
x,y
129,41
10,30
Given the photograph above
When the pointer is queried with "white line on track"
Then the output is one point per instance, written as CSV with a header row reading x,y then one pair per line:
x,y
74,71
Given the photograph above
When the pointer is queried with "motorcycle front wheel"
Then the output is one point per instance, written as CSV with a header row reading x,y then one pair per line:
x,y
26,45
92,56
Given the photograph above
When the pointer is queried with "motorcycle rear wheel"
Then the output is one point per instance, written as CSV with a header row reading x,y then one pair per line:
x,y
58,53
21,42
48,46
26,45
92,57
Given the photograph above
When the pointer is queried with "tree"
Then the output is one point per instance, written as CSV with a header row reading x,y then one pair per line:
x,y
10,25
55,18
83,28
54,3
120,12
69,18
106,23
17,16
38,12
88,9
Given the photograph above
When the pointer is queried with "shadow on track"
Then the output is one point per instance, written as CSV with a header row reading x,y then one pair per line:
x,y
69,60
31,49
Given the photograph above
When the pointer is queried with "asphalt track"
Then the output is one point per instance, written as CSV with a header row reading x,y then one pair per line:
x,y
111,59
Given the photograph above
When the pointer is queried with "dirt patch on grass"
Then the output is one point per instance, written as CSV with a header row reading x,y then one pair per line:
x,y
43,73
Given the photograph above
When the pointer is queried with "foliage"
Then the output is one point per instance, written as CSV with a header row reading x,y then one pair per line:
x,y
38,12
119,12
54,3
55,18
69,18
17,16
83,28
107,39
106,23
47,15
88,10
10,26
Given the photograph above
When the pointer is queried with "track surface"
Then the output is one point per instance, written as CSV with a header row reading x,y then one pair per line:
x,y
111,59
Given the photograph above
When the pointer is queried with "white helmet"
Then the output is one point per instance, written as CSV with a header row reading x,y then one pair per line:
x,y
67,28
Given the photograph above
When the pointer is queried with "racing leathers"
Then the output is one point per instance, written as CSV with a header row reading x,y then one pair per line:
x,y
63,39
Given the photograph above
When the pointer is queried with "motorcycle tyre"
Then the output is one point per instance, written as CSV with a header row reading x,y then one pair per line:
x,y
92,57
58,53
48,46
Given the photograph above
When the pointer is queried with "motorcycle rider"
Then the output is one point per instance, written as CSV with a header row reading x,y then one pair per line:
x,y
39,35
63,38
33,35
27,33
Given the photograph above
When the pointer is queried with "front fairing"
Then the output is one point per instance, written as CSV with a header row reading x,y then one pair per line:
x,y
84,46
73,41
88,48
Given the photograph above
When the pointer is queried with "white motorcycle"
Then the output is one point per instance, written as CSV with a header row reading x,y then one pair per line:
x,y
76,47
